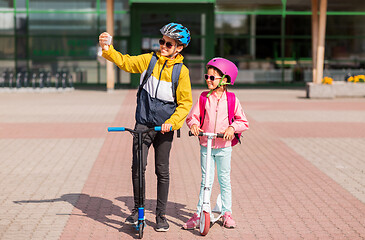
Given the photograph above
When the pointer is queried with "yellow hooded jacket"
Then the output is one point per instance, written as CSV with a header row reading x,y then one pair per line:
x,y
159,85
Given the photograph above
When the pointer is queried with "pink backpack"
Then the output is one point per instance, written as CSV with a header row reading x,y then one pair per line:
x,y
231,101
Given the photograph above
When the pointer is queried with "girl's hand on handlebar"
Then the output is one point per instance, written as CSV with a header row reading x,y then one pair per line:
x,y
103,38
166,127
195,130
228,133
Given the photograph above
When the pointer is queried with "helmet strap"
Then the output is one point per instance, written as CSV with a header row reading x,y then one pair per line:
x,y
175,53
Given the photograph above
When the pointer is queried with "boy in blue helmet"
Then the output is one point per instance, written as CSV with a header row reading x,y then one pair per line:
x,y
155,93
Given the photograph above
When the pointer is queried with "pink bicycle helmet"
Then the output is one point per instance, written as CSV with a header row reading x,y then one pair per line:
x,y
227,67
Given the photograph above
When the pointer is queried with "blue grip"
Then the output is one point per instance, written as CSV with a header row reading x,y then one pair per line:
x,y
141,213
158,128
116,129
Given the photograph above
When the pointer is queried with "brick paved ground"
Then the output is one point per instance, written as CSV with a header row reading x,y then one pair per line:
x,y
299,174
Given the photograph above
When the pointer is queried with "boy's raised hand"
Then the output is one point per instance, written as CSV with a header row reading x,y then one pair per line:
x,y
103,38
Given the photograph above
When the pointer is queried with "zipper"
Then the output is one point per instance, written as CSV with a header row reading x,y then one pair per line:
x,y
159,78
215,122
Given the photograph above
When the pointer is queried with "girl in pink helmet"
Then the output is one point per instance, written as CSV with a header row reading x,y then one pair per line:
x,y
212,114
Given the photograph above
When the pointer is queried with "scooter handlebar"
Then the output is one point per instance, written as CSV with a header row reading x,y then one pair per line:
x,y
218,135
159,128
122,129
116,129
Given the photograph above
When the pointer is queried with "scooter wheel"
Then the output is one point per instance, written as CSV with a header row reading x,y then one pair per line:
x,y
204,223
140,230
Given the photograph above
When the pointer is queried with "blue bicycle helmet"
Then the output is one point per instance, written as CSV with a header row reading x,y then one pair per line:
x,y
177,32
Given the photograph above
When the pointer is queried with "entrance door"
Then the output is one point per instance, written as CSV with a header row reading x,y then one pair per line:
x,y
148,18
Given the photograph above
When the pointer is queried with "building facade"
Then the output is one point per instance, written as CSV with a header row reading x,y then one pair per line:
x,y
269,40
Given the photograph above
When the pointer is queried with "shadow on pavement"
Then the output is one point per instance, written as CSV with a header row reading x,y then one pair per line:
x,y
101,210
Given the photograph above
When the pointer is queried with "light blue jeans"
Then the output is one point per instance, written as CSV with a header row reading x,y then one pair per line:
x,y
222,158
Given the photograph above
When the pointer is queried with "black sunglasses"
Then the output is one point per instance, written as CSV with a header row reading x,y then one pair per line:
x,y
168,44
210,77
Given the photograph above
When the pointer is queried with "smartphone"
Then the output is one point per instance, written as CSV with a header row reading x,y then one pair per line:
x,y
109,41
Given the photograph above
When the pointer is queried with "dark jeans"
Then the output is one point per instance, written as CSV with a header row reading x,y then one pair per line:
x,y
162,146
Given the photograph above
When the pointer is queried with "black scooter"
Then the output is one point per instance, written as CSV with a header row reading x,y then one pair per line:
x,y
141,220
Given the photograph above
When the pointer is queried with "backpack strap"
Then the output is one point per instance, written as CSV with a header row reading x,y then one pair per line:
x,y
149,71
174,83
231,101
175,78
202,101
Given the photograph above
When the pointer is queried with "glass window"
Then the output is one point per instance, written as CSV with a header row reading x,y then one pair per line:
x,y
6,4
352,5
121,24
85,71
268,25
79,5
338,5
299,5
193,21
60,47
21,23
345,25
152,22
76,71
121,76
298,25
6,23
195,49
196,72
236,24
7,48
248,4
233,47
63,23
21,4
298,48
345,49
21,47
268,48
119,5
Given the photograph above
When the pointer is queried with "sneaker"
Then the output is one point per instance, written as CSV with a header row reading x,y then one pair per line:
x,y
161,223
133,218
228,221
192,223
